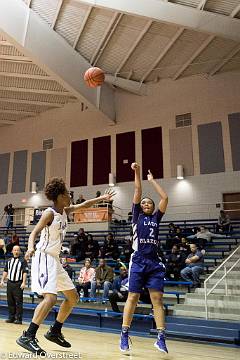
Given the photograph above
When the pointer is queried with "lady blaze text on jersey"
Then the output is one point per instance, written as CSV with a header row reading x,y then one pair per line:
x,y
150,223
149,241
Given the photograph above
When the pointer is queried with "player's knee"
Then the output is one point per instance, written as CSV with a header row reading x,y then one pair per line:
x,y
73,300
156,299
133,297
51,300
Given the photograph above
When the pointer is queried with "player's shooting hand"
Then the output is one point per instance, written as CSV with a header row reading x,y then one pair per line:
x,y
29,254
108,194
149,176
135,166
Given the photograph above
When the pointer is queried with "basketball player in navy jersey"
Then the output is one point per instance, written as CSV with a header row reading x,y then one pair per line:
x,y
145,268
48,274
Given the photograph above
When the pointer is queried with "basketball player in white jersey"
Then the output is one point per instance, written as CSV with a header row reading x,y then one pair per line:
x,y
48,275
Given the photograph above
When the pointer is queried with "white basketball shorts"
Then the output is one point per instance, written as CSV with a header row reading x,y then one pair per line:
x,y
48,275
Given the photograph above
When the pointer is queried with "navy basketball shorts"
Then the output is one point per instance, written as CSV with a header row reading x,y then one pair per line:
x,y
145,273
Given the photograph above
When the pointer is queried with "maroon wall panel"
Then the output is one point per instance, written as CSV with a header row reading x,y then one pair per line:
x,y
79,163
152,154
101,159
125,150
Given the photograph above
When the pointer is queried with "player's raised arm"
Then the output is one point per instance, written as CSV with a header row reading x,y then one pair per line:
x,y
137,181
108,195
163,196
46,219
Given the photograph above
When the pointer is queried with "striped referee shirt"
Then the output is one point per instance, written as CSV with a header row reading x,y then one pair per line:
x,y
16,267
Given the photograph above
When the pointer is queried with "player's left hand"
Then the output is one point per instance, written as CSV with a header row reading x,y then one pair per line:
x,y
108,194
149,175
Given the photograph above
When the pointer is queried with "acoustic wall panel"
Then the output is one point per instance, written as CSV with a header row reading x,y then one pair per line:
x,y
152,152
19,171
125,155
211,148
101,159
58,159
234,129
38,169
79,163
181,151
4,171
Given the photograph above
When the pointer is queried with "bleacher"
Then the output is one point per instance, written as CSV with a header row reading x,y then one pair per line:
x,y
96,314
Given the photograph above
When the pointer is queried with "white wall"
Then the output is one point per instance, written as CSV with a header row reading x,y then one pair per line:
x,y
208,100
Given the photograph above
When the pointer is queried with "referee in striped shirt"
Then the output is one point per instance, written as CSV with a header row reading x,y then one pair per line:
x,y
15,271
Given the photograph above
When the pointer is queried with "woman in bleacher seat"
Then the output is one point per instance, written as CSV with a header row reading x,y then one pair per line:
x,y
146,269
86,276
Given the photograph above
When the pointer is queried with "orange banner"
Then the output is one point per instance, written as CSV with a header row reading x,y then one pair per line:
x,y
93,215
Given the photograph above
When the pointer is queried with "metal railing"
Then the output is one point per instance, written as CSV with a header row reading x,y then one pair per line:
x,y
227,266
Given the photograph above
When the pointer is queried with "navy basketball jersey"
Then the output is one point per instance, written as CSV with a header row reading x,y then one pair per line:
x,y
145,231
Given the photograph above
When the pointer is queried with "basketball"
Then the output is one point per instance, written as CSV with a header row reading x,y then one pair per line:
x,y
94,77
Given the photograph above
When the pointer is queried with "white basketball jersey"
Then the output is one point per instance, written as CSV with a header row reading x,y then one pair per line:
x,y
52,236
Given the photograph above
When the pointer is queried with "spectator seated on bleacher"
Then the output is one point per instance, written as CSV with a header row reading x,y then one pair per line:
x,y
92,248
184,249
86,277
14,241
6,237
104,279
224,223
174,236
130,216
80,199
67,267
110,248
203,236
194,266
78,247
119,264
174,264
127,249
120,289
2,249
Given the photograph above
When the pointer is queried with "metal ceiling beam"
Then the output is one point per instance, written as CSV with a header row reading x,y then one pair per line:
x,y
88,12
58,9
128,85
225,60
202,4
37,91
5,43
17,112
235,11
188,17
8,122
27,76
23,59
163,53
30,102
106,37
135,44
194,56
